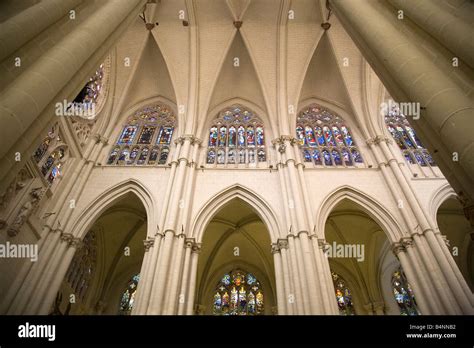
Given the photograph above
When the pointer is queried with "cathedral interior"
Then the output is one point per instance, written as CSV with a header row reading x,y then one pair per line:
x,y
236,157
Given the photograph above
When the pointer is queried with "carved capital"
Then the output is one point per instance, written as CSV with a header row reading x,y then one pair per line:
x,y
406,242
148,243
275,248
189,242
66,237
282,243
75,243
196,248
398,248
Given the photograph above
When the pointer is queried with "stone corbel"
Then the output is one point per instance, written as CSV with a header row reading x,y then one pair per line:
x,y
282,243
148,243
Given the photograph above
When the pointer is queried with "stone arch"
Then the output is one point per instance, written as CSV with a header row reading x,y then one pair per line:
x,y
440,196
263,210
369,205
101,203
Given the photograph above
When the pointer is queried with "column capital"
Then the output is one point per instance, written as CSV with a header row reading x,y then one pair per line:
x,y
378,139
148,243
75,243
406,242
275,248
398,248
196,248
189,242
282,243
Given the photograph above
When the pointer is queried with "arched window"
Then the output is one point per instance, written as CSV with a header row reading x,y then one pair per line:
x,y
128,296
51,155
82,268
89,94
407,140
403,294
238,293
236,136
146,138
343,295
324,139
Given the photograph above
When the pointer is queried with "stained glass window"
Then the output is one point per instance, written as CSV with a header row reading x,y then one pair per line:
x,y
236,136
343,295
50,155
324,139
87,98
83,265
403,294
407,140
238,293
146,138
128,296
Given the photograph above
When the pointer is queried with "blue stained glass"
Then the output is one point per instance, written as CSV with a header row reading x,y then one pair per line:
x,y
133,155
414,137
127,135
113,155
251,279
54,173
307,156
319,136
408,157
241,136
356,156
347,136
260,136
419,158
226,279
165,135
232,136
337,135
327,158
310,136
213,136
222,136
428,158
347,157
300,135
327,134
337,157
317,157
405,137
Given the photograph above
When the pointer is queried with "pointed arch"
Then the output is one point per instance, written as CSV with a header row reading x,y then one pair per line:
x,y
440,196
212,206
369,205
82,224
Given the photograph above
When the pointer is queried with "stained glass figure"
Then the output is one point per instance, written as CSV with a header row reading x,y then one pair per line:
x,y
124,156
211,156
310,136
127,135
300,135
165,135
250,136
261,155
55,172
113,155
251,156
356,155
154,155
237,128
220,156
325,131
133,155
241,136
213,136
41,150
407,140
346,156
403,294
128,296
343,295
143,156
146,135
91,91
164,155
238,293
222,136
260,136
232,136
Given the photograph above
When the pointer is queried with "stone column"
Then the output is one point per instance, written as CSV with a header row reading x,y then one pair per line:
x,y
60,273
185,276
172,295
283,247
412,76
27,96
449,30
327,277
192,278
145,278
400,252
18,30
281,301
